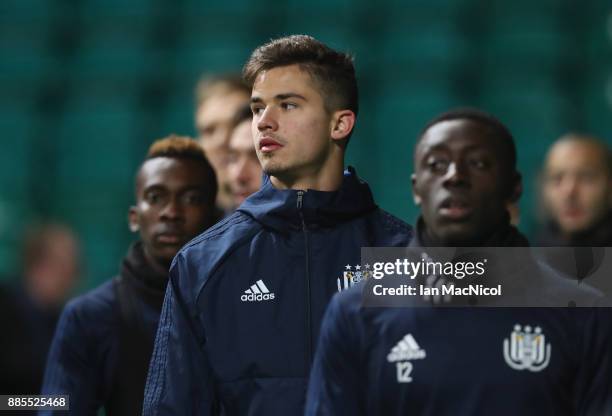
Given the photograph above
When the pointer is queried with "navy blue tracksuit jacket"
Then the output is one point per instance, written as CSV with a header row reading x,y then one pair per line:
x,y
104,341
246,298
439,361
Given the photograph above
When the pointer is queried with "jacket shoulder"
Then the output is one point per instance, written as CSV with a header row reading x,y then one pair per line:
x,y
92,314
393,222
562,289
99,301
349,302
199,259
391,231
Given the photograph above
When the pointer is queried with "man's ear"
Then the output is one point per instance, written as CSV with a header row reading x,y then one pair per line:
x,y
415,195
343,122
133,219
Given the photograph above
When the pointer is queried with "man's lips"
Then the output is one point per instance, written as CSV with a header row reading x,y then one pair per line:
x,y
455,209
267,145
169,238
572,213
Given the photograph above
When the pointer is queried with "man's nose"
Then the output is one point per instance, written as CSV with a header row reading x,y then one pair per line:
x,y
456,174
173,210
569,186
267,120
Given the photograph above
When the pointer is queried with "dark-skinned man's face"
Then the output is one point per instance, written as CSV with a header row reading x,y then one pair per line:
x,y
459,182
173,205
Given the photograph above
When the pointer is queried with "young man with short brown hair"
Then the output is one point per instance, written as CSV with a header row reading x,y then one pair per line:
x,y
245,299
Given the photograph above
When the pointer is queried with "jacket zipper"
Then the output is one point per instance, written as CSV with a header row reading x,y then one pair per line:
x,y
300,197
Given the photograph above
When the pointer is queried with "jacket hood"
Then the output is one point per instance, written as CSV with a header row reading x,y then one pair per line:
x,y
278,209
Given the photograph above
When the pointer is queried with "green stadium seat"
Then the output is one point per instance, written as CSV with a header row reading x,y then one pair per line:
x,y
117,49
178,116
95,143
228,8
597,107
207,46
24,52
15,215
95,9
16,125
29,10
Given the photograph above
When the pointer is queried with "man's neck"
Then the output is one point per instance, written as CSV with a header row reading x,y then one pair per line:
x,y
495,236
598,234
158,266
326,178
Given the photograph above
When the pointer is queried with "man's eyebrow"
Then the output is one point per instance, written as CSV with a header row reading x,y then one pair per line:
x,y
290,95
434,148
154,187
185,188
444,147
280,97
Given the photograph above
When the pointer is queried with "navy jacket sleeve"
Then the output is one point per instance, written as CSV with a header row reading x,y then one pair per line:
x,y
335,380
594,381
179,380
69,366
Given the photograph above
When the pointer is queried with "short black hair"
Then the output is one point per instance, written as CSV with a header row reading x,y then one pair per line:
x,y
497,128
184,147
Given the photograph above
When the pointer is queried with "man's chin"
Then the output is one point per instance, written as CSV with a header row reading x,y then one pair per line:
x,y
576,227
458,234
165,255
274,169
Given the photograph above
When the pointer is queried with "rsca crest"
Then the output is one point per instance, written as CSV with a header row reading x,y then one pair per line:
x,y
353,275
527,349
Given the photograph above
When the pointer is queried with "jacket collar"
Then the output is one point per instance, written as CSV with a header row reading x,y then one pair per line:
x,y
599,235
144,278
505,236
281,210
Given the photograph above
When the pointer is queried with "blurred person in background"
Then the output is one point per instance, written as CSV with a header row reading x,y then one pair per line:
x,y
104,340
577,192
243,167
577,201
30,307
218,98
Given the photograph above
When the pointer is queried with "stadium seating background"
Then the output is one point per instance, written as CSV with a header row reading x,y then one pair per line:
x,y
87,85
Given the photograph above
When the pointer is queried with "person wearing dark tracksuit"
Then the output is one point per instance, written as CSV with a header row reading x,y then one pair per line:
x,y
451,360
245,299
104,340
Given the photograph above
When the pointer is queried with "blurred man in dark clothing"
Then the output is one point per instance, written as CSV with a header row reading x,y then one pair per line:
x,y
30,308
577,185
104,340
577,195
